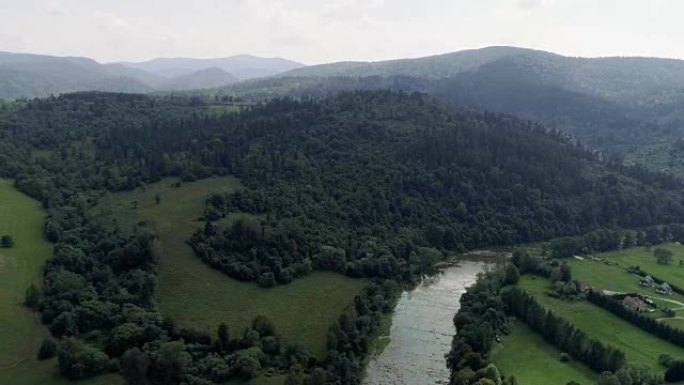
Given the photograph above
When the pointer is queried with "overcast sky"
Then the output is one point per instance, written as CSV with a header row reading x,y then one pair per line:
x,y
317,31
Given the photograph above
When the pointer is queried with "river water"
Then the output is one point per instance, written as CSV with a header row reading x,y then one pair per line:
x,y
422,329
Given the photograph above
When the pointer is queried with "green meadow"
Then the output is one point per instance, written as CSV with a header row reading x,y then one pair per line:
x,y
643,257
523,352
640,347
610,277
196,295
20,266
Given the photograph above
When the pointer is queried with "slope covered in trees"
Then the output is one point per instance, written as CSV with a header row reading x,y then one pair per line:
x,y
369,184
629,107
631,80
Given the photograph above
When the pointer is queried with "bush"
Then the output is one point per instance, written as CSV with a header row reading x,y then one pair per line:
x,y
663,256
33,297
675,371
665,360
78,360
48,349
267,280
6,241
565,357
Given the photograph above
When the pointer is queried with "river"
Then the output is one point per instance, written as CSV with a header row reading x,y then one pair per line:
x,y
422,329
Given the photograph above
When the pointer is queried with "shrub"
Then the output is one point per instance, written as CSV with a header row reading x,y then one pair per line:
x,y
6,241
48,349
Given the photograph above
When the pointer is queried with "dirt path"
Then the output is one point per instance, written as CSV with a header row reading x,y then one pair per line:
x,y
667,300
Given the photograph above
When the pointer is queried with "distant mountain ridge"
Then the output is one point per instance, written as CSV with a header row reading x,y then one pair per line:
x,y
436,66
627,106
614,78
205,78
31,75
241,66
28,75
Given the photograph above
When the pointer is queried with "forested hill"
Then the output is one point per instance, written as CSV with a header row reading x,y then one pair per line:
x,y
371,162
629,107
630,80
438,66
368,184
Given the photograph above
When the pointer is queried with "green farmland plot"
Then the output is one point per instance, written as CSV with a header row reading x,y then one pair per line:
x,y
523,352
640,347
603,276
643,257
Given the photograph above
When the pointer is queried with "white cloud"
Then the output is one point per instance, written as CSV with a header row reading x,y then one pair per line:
x,y
316,31
533,4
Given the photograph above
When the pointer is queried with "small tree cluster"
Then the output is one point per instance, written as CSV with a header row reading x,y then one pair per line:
x,y
6,241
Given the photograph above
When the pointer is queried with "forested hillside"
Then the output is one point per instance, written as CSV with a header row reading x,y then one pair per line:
x,y
627,107
24,75
629,80
368,184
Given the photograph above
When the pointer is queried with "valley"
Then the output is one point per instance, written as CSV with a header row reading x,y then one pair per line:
x,y
251,220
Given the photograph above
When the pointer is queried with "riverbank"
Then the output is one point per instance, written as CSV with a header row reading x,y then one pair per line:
x,y
422,328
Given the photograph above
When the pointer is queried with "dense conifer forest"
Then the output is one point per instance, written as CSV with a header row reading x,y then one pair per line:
x,y
369,184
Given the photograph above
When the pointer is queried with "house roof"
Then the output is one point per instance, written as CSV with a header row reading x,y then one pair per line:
x,y
634,302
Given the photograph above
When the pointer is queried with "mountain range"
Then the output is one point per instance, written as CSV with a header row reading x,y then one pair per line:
x,y
629,107
241,66
28,75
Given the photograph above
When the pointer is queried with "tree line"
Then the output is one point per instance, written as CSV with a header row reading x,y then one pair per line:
x,y
480,319
561,333
648,324
603,240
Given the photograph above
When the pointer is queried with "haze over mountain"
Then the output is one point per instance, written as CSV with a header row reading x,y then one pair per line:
x,y
626,79
204,78
628,106
29,75
26,75
240,66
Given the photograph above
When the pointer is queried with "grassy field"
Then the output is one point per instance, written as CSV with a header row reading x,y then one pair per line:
x,y
196,295
20,331
640,348
643,257
524,352
614,278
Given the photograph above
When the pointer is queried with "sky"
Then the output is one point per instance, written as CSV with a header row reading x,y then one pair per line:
x,y
320,31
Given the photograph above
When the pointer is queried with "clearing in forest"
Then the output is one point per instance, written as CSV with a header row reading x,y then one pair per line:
x,y
20,266
198,296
